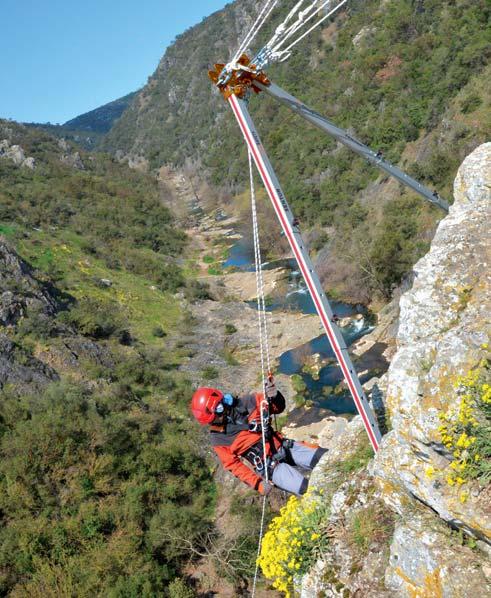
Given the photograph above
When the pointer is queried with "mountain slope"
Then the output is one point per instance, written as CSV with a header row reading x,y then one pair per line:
x,y
101,475
101,119
408,78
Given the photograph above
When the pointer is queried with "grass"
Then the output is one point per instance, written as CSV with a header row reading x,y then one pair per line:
x,y
209,373
371,525
358,459
7,230
61,255
228,355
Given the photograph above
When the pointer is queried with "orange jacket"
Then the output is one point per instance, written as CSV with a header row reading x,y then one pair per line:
x,y
233,442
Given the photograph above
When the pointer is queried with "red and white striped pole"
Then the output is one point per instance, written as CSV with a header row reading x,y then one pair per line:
x,y
294,237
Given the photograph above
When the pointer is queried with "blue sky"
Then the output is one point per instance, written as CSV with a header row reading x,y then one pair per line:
x,y
61,58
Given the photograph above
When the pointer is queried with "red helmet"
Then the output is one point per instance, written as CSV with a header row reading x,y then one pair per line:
x,y
204,403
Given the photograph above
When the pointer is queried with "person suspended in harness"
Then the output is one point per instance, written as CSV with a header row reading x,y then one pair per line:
x,y
235,425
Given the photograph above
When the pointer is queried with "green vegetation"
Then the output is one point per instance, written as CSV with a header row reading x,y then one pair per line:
x,y
98,487
116,214
230,329
209,373
370,525
358,459
466,430
101,474
408,80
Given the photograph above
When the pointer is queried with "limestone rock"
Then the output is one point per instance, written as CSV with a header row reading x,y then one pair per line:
x,y
326,433
443,324
427,560
20,291
16,154
73,160
444,320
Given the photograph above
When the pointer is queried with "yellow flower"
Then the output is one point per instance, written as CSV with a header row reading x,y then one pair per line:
x,y
314,536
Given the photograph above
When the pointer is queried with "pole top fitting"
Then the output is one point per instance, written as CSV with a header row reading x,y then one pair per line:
x,y
238,78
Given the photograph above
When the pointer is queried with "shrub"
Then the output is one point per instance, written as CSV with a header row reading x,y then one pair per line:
x,y
230,329
159,332
97,318
294,540
470,102
465,431
180,589
209,373
196,291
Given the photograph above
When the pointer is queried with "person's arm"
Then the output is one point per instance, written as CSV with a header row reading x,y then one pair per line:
x,y
233,464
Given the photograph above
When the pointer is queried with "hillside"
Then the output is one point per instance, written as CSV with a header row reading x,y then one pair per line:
x,y
88,129
407,78
101,474
102,119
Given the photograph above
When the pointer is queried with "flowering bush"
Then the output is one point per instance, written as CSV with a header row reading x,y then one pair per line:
x,y
466,430
294,540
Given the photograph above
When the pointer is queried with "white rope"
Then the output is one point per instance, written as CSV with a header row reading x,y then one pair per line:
x,y
263,15
264,353
272,50
261,303
281,29
326,16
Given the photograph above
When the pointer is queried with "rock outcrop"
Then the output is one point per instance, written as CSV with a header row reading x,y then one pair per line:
x,y
444,322
20,291
19,368
16,154
421,537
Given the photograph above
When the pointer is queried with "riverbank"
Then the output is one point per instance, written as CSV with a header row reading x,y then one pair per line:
x,y
224,348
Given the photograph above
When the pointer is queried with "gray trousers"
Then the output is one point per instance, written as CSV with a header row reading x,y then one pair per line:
x,y
286,477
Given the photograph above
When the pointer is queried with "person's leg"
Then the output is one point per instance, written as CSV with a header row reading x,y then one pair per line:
x,y
288,478
306,456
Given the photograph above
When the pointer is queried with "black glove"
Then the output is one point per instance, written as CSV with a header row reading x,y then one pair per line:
x,y
270,389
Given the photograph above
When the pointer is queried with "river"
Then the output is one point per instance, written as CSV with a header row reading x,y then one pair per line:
x,y
297,298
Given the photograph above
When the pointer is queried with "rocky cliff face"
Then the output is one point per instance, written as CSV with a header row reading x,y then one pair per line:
x,y
428,538
444,324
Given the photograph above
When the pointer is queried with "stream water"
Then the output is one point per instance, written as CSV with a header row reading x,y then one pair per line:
x,y
297,298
